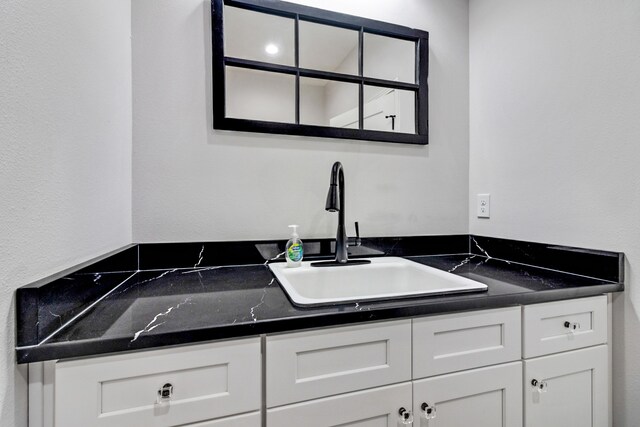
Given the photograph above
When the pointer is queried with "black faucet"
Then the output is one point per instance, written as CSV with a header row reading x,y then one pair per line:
x,y
335,203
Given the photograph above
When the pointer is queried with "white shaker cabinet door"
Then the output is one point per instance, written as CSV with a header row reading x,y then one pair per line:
x,y
245,420
552,327
567,389
376,407
460,341
312,364
484,397
160,388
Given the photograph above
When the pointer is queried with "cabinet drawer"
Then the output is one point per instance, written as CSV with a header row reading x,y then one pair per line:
x,y
209,381
375,407
575,385
312,364
545,325
484,397
459,341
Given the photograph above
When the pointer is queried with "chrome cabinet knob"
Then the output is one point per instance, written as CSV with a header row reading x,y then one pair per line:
x,y
165,393
572,326
406,417
541,386
428,412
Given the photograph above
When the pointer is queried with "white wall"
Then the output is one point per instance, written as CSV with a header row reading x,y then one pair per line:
x,y
193,183
555,139
65,135
554,107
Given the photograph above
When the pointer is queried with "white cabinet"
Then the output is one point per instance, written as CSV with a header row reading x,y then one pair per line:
x,y
358,361
201,382
377,407
484,397
459,341
558,326
252,419
537,365
567,389
323,362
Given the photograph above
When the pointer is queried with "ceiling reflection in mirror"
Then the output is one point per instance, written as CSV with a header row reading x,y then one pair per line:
x,y
259,36
328,48
389,58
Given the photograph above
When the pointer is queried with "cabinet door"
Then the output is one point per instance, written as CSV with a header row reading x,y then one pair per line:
x,y
557,326
201,382
246,420
460,341
312,364
377,407
575,389
485,397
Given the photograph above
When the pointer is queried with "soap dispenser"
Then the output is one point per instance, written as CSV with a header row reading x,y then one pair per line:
x,y
294,250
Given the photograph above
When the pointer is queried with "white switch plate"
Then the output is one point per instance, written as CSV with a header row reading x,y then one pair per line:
x,y
484,205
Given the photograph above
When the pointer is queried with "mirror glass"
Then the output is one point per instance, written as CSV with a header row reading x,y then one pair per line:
x,y
329,103
389,58
390,110
259,36
260,95
286,68
327,48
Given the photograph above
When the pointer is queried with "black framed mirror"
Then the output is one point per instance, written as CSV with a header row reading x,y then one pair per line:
x,y
285,68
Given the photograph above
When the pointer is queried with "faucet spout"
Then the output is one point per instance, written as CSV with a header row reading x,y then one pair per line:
x,y
335,203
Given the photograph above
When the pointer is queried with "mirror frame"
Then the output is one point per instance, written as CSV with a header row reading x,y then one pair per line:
x,y
298,12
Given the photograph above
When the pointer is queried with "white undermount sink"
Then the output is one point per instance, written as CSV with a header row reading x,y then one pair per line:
x,y
383,278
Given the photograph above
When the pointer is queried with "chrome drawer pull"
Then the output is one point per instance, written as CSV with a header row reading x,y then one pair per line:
x,y
165,393
572,326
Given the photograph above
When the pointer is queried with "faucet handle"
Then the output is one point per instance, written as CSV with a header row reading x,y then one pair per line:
x,y
355,241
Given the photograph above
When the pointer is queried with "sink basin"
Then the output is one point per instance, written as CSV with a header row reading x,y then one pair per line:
x,y
383,278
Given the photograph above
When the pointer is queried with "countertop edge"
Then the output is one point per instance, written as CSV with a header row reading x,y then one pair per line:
x,y
99,347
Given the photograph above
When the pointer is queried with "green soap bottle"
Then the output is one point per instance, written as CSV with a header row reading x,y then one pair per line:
x,y
294,250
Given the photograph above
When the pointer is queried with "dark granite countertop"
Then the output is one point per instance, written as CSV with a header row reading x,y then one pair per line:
x,y
204,297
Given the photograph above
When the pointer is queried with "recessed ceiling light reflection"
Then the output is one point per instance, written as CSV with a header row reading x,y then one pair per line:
x,y
271,49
